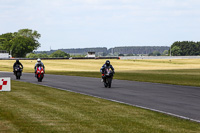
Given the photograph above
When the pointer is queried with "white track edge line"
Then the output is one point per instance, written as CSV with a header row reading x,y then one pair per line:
x,y
179,116
175,115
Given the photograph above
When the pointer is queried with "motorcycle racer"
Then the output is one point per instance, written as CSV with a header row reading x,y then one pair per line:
x,y
103,68
39,63
17,64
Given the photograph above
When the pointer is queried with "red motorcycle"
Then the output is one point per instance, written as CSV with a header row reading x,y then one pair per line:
x,y
40,73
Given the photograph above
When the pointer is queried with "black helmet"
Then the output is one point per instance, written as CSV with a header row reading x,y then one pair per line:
x,y
107,63
17,60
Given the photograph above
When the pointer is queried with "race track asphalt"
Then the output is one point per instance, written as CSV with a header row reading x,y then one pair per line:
x,y
180,101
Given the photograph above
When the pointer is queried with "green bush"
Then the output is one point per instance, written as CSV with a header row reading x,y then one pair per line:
x,y
59,53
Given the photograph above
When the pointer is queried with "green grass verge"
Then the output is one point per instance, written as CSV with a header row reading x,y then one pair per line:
x,y
34,108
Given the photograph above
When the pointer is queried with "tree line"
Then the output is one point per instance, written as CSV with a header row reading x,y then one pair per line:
x,y
185,48
20,43
55,54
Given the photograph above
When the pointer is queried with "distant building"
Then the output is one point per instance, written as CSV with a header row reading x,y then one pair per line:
x,y
103,51
137,50
90,54
84,51
4,54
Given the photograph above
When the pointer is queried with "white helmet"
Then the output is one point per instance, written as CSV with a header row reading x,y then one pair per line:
x,y
39,60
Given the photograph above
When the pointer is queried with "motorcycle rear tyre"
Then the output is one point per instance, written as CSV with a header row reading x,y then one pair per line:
x,y
105,85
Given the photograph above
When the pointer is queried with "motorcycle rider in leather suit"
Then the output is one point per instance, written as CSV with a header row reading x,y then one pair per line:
x,y
103,68
39,63
17,64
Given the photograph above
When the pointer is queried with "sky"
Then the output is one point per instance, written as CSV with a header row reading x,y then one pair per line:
x,y
103,23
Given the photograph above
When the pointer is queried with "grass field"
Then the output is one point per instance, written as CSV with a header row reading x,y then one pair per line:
x,y
176,71
35,109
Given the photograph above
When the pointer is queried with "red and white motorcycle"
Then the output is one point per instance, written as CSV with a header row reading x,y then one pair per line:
x,y
40,73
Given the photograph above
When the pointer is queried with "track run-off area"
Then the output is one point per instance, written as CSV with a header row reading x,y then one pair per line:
x,y
175,100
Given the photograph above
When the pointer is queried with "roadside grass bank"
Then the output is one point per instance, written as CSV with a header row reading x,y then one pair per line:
x,y
34,108
177,71
95,65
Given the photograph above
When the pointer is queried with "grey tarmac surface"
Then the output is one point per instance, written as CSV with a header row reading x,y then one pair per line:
x,y
181,101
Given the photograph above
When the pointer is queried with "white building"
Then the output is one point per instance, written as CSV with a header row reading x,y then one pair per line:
x,y
3,54
90,54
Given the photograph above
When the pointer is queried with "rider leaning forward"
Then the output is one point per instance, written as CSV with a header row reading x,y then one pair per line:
x,y
108,66
17,64
39,63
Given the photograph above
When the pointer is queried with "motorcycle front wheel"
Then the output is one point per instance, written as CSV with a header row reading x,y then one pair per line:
x,y
109,82
18,74
40,77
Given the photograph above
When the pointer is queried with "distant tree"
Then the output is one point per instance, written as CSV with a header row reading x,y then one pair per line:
x,y
165,52
40,55
6,37
130,55
121,55
150,54
28,33
59,53
116,54
176,51
156,53
185,48
43,52
20,43
6,41
104,54
32,55
20,46
77,55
